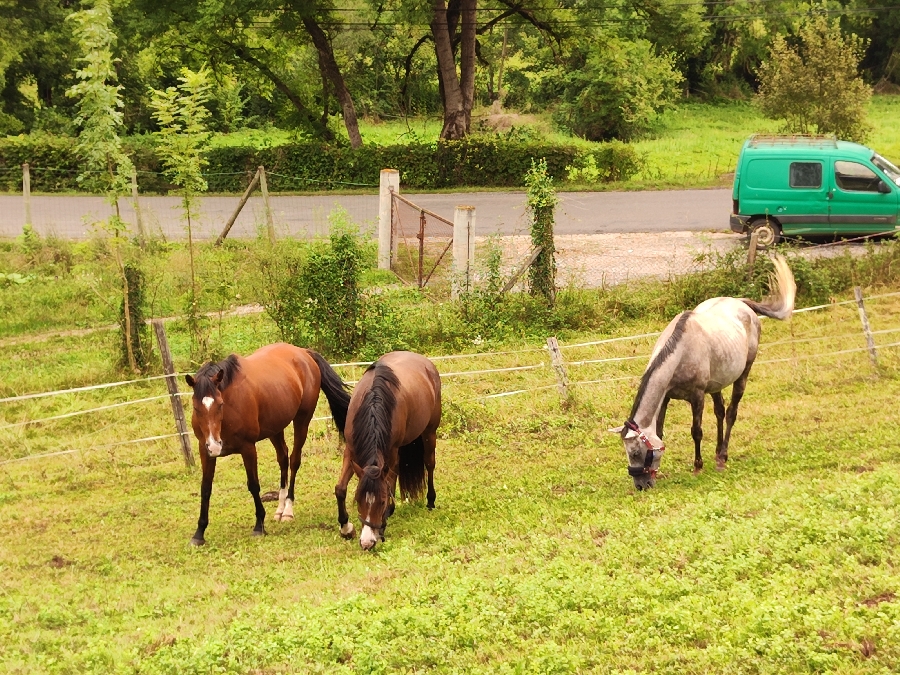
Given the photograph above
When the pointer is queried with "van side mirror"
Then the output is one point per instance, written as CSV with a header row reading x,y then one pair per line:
x,y
884,188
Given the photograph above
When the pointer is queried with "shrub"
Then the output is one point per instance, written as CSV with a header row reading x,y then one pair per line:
x,y
816,87
618,91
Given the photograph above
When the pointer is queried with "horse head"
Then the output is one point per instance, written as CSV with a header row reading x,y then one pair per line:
x,y
644,452
209,408
374,502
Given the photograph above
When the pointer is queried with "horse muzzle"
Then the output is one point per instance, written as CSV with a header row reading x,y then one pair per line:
x,y
213,448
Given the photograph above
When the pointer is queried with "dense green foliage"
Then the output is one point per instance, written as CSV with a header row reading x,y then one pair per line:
x,y
604,68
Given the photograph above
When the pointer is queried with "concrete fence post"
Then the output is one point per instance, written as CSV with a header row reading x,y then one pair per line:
x,y
390,182
463,249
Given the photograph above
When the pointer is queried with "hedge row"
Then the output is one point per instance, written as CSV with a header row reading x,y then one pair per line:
x,y
474,162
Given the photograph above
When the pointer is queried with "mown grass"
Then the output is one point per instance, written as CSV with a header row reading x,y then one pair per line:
x,y
539,557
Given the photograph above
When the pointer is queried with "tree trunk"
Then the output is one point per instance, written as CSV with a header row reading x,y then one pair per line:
x,y
467,57
455,126
329,67
244,54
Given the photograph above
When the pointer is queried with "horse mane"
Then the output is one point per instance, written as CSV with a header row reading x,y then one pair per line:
x,y
372,426
203,381
667,350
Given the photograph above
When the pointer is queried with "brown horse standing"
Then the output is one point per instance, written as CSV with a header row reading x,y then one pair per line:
x,y
391,430
241,401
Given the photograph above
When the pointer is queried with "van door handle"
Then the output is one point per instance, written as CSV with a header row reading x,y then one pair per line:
x,y
829,195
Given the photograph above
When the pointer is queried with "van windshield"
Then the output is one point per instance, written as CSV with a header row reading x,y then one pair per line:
x,y
892,171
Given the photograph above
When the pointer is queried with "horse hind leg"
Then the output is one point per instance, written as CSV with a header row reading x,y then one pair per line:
x,y
301,430
248,454
697,428
719,407
281,452
430,441
737,392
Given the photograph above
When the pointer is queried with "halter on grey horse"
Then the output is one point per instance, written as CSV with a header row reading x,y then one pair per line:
x,y
700,352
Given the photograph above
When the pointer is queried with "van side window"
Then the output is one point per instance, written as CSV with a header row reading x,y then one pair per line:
x,y
806,175
855,177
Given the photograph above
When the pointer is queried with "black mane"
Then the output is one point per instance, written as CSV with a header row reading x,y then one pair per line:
x,y
203,381
667,350
372,426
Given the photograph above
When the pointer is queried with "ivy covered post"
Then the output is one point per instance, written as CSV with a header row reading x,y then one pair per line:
x,y
541,203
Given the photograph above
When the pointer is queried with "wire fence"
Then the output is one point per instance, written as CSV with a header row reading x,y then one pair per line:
x,y
466,379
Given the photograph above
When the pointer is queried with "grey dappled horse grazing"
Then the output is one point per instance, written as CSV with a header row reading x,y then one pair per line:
x,y
700,352
241,401
390,433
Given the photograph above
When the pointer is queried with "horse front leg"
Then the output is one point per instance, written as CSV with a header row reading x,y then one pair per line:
x,y
340,493
697,427
281,452
208,465
248,454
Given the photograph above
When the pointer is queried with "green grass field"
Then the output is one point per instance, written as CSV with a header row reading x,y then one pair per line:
x,y
539,558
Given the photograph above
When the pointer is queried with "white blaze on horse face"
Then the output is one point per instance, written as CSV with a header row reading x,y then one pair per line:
x,y
208,401
370,499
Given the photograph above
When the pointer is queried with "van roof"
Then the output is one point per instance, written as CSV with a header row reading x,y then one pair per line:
x,y
773,144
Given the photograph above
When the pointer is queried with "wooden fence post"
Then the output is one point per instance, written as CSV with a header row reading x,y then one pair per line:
x,y
142,236
870,342
240,206
556,360
515,277
463,249
264,187
172,386
751,253
26,191
389,184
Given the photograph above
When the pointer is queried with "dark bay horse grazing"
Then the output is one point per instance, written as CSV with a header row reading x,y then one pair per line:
x,y
700,352
391,430
241,401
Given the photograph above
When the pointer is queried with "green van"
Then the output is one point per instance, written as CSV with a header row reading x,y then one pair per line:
x,y
813,185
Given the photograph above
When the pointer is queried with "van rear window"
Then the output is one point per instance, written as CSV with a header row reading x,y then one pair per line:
x,y
806,174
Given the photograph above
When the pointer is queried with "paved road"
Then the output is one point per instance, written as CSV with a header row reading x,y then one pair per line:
x,y
70,216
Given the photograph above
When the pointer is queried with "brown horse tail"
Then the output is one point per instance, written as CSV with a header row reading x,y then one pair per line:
x,y
336,391
411,471
780,304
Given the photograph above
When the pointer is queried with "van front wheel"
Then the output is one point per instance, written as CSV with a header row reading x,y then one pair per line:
x,y
768,232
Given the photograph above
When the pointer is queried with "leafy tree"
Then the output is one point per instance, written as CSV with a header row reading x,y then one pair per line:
x,y
105,165
816,86
182,117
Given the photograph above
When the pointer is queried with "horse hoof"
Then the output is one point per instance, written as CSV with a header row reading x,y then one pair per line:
x,y
259,533
720,466
197,542
286,518
277,517
347,531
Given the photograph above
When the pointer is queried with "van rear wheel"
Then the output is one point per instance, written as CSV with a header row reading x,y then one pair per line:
x,y
768,232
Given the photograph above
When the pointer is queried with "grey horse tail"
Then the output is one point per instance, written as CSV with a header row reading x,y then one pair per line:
x,y
780,304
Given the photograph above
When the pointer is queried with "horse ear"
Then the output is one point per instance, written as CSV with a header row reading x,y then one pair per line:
x,y
190,381
616,430
217,378
631,434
